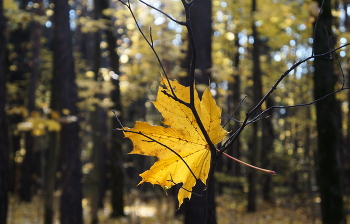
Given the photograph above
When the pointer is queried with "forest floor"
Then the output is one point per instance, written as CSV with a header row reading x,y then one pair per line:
x,y
156,209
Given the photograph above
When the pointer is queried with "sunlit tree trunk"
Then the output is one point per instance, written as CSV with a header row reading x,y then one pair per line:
x,y
328,142
64,78
4,156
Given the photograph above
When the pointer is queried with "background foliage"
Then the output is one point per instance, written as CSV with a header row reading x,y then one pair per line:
x,y
286,35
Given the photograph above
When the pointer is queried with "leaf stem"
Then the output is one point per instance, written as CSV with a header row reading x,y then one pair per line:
x,y
247,164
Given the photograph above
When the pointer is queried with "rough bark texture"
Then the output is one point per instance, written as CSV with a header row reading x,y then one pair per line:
x,y
4,157
328,143
66,93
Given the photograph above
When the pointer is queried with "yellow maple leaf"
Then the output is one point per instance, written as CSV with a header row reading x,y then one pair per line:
x,y
182,135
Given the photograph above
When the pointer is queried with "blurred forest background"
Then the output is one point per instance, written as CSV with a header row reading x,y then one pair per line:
x,y
64,161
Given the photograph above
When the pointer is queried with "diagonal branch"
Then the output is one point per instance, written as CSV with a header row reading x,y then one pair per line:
x,y
233,137
165,14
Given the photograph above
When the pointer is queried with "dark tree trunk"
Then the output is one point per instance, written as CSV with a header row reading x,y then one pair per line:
x,y
117,179
200,15
66,93
257,96
20,38
234,100
26,181
266,150
27,171
50,167
4,156
328,143
201,12
51,164
96,120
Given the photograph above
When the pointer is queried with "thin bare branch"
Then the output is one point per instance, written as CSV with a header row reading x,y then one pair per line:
x,y
165,14
234,112
148,42
232,138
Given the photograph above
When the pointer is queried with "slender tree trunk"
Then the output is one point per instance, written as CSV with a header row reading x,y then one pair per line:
x,y
328,143
64,79
234,100
117,180
346,151
4,156
257,96
96,121
266,150
50,166
21,39
27,165
51,159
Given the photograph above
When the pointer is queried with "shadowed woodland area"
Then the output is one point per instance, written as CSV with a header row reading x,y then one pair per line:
x,y
73,74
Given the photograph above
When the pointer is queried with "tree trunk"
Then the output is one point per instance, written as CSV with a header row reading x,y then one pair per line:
x,y
27,165
66,93
21,39
201,12
117,179
266,150
257,96
4,156
234,100
328,143
96,122
200,15
50,178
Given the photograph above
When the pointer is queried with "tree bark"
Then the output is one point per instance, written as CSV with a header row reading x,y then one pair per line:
x,y
4,153
234,100
266,150
96,120
27,164
66,93
257,96
50,177
117,179
200,15
328,143
201,12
